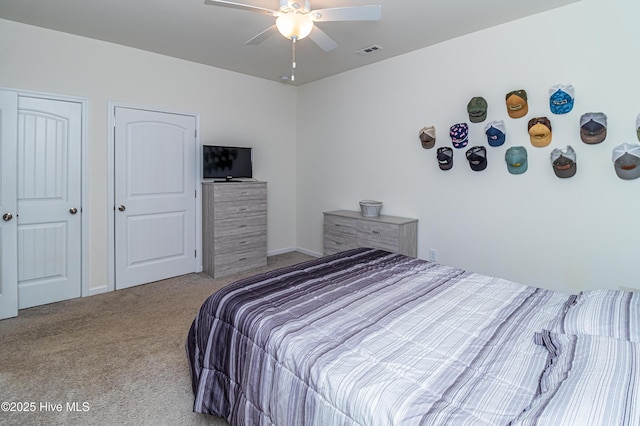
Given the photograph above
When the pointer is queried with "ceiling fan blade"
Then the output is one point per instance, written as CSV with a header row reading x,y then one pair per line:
x,y
262,36
355,13
321,38
242,6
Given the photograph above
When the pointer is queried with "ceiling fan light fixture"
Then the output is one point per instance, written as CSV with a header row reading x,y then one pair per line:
x,y
294,25
288,6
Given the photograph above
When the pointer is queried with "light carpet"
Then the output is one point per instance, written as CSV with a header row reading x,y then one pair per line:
x,y
114,358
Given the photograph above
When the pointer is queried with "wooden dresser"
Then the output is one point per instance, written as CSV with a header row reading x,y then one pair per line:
x,y
234,227
344,229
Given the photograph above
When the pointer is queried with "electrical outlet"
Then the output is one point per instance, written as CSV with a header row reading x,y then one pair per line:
x,y
433,255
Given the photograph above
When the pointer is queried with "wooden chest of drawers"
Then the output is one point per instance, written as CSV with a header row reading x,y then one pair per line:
x,y
344,229
234,227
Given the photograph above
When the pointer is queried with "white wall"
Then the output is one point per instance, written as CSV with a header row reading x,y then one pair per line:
x,y
358,138
233,109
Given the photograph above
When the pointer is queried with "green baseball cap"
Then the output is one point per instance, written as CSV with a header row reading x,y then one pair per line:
x,y
477,109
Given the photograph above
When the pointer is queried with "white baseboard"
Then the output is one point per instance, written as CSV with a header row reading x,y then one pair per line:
x,y
105,288
290,249
309,252
97,290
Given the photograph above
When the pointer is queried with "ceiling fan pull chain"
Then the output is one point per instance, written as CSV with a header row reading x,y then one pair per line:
x,y
293,58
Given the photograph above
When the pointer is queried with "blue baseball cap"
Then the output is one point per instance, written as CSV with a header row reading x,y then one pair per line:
x,y
496,132
459,135
561,98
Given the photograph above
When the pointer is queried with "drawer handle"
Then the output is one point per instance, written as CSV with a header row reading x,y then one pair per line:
x,y
243,242
337,226
242,258
243,226
375,232
243,209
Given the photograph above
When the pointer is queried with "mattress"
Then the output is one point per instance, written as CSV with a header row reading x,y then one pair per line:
x,y
368,337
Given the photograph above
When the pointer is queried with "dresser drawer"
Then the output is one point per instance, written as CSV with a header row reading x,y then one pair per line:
x,y
334,243
379,235
347,229
340,225
229,263
386,233
240,242
239,208
241,225
379,244
239,191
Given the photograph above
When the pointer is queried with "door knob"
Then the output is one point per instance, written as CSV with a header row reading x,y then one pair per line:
x,y
7,217
73,210
122,208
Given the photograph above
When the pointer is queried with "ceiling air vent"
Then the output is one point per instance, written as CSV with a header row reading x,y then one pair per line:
x,y
369,50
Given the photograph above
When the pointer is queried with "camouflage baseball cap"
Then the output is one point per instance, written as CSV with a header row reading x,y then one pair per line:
x,y
477,109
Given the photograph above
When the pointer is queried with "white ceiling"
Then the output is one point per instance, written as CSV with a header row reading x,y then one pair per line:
x,y
215,36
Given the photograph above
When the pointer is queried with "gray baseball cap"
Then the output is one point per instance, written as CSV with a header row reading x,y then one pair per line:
x,y
563,161
593,127
626,161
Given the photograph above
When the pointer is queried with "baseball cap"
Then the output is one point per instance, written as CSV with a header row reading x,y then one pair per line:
x,y
540,131
626,160
563,161
477,109
459,135
561,98
593,127
517,103
496,132
516,158
445,157
477,156
428,137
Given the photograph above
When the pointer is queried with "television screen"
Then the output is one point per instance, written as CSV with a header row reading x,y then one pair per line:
x,y
226,162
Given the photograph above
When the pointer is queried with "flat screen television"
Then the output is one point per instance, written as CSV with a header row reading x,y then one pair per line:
x,y
226,162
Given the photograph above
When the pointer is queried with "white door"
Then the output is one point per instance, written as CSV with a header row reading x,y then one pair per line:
x,y
155,195
40,201
8,205
49,181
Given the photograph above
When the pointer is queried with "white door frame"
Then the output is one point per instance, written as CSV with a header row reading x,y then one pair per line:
x,y
84,206
111,191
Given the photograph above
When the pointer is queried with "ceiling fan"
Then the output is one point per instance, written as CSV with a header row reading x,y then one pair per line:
x,y
296,20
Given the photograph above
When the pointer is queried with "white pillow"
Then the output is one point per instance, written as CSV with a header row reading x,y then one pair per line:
x,y
608,313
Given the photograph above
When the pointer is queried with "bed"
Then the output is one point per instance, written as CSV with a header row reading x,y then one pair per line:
x,y
368,337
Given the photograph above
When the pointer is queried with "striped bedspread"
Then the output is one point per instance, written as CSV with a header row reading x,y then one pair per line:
x,y
366,337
